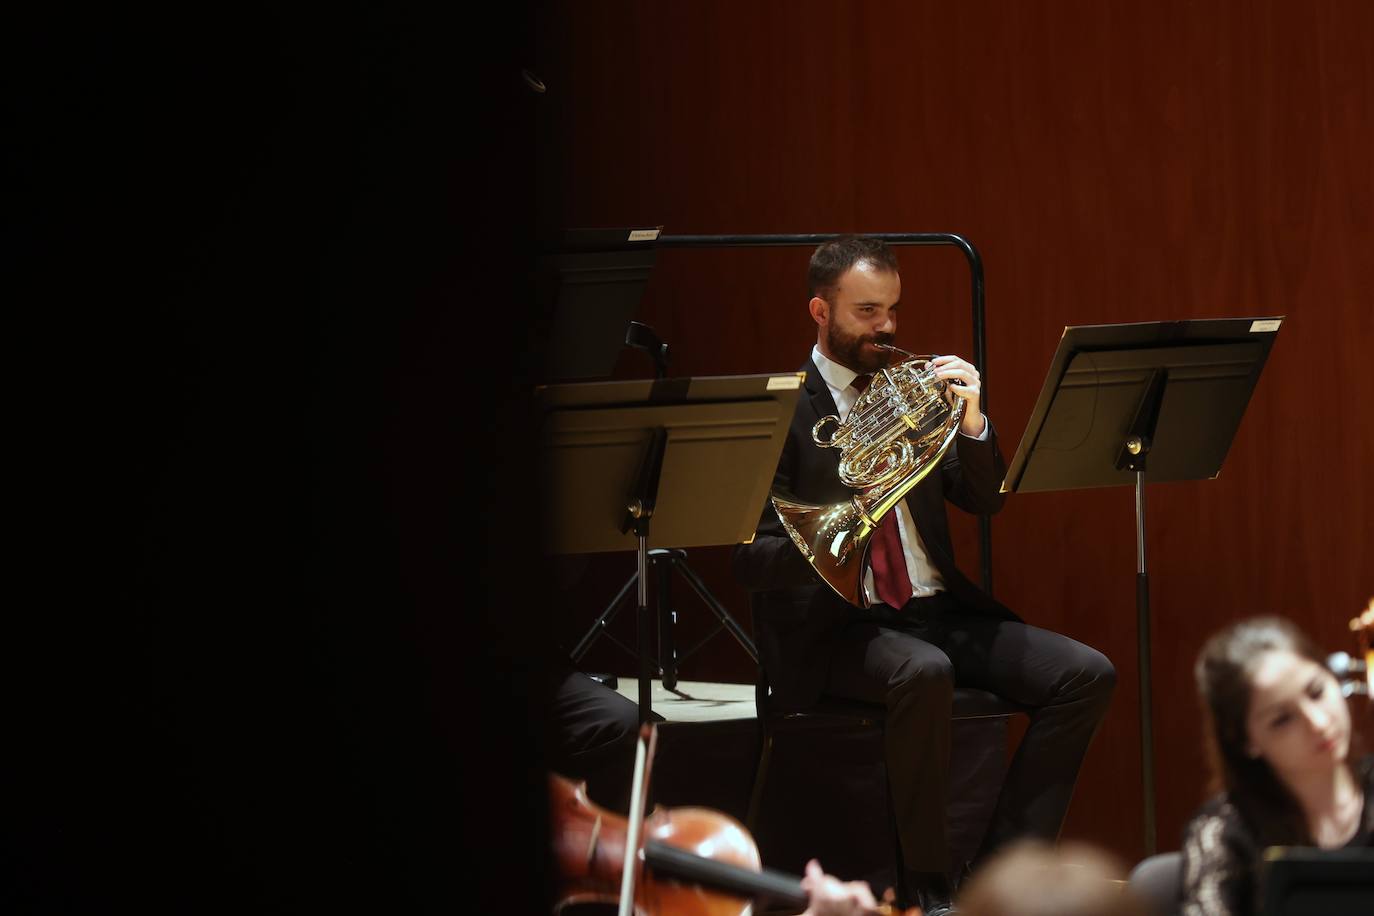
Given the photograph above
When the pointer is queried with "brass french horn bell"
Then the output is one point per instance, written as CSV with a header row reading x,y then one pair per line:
x,y
898,430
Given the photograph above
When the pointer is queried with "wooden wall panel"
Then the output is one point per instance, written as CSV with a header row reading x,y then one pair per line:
x,y
1113,162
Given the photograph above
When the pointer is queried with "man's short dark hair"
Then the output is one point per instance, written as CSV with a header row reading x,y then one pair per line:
x,y
831,259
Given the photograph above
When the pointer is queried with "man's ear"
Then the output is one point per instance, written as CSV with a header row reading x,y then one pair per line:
x,y
820,310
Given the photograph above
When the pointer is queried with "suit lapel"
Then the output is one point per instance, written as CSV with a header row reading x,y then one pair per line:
x,y
821,401
818,468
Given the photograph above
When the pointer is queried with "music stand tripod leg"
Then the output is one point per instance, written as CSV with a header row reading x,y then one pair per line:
x,y
665,561
728,622
667,617
601,623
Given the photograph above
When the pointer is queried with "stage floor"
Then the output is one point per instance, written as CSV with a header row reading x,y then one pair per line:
x,y
694,701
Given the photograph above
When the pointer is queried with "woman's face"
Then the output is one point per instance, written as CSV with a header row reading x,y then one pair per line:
x,y
1298,720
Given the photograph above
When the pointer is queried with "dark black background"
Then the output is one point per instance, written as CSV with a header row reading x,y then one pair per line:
x,y
269,300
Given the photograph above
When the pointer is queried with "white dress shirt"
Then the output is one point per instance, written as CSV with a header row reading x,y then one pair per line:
x,y
925,578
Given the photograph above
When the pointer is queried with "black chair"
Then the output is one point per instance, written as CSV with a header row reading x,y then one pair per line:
x,y
837,770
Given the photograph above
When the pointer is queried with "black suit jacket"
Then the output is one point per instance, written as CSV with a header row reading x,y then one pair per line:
x,y
795,612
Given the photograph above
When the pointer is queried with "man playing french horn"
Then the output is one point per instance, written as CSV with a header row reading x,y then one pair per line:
x,y
855,590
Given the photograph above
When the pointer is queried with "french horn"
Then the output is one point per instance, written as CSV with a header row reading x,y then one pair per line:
x,y
899,428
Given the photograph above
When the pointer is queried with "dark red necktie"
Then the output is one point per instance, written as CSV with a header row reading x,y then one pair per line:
x,y
885,554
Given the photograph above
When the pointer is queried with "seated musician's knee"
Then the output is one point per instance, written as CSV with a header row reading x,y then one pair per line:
x,y
1097,674
930,674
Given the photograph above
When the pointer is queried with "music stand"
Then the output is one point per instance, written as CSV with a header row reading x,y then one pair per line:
x,y
590,284
693,456
1305,881
1141,403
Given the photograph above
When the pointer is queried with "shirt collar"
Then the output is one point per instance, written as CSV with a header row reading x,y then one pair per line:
x,y
836,376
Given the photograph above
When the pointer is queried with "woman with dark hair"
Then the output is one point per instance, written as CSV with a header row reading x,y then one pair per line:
x,y
1278,733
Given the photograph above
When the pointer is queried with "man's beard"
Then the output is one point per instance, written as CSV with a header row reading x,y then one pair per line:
x,y
850,351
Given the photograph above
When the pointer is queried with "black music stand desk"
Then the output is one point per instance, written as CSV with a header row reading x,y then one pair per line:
x,y
590,285
1306,881
1141,403
683,462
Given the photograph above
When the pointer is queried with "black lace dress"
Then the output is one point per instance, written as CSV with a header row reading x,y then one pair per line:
x,y
1221,854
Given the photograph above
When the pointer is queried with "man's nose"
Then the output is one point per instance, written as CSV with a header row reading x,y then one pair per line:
x,y
888,324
